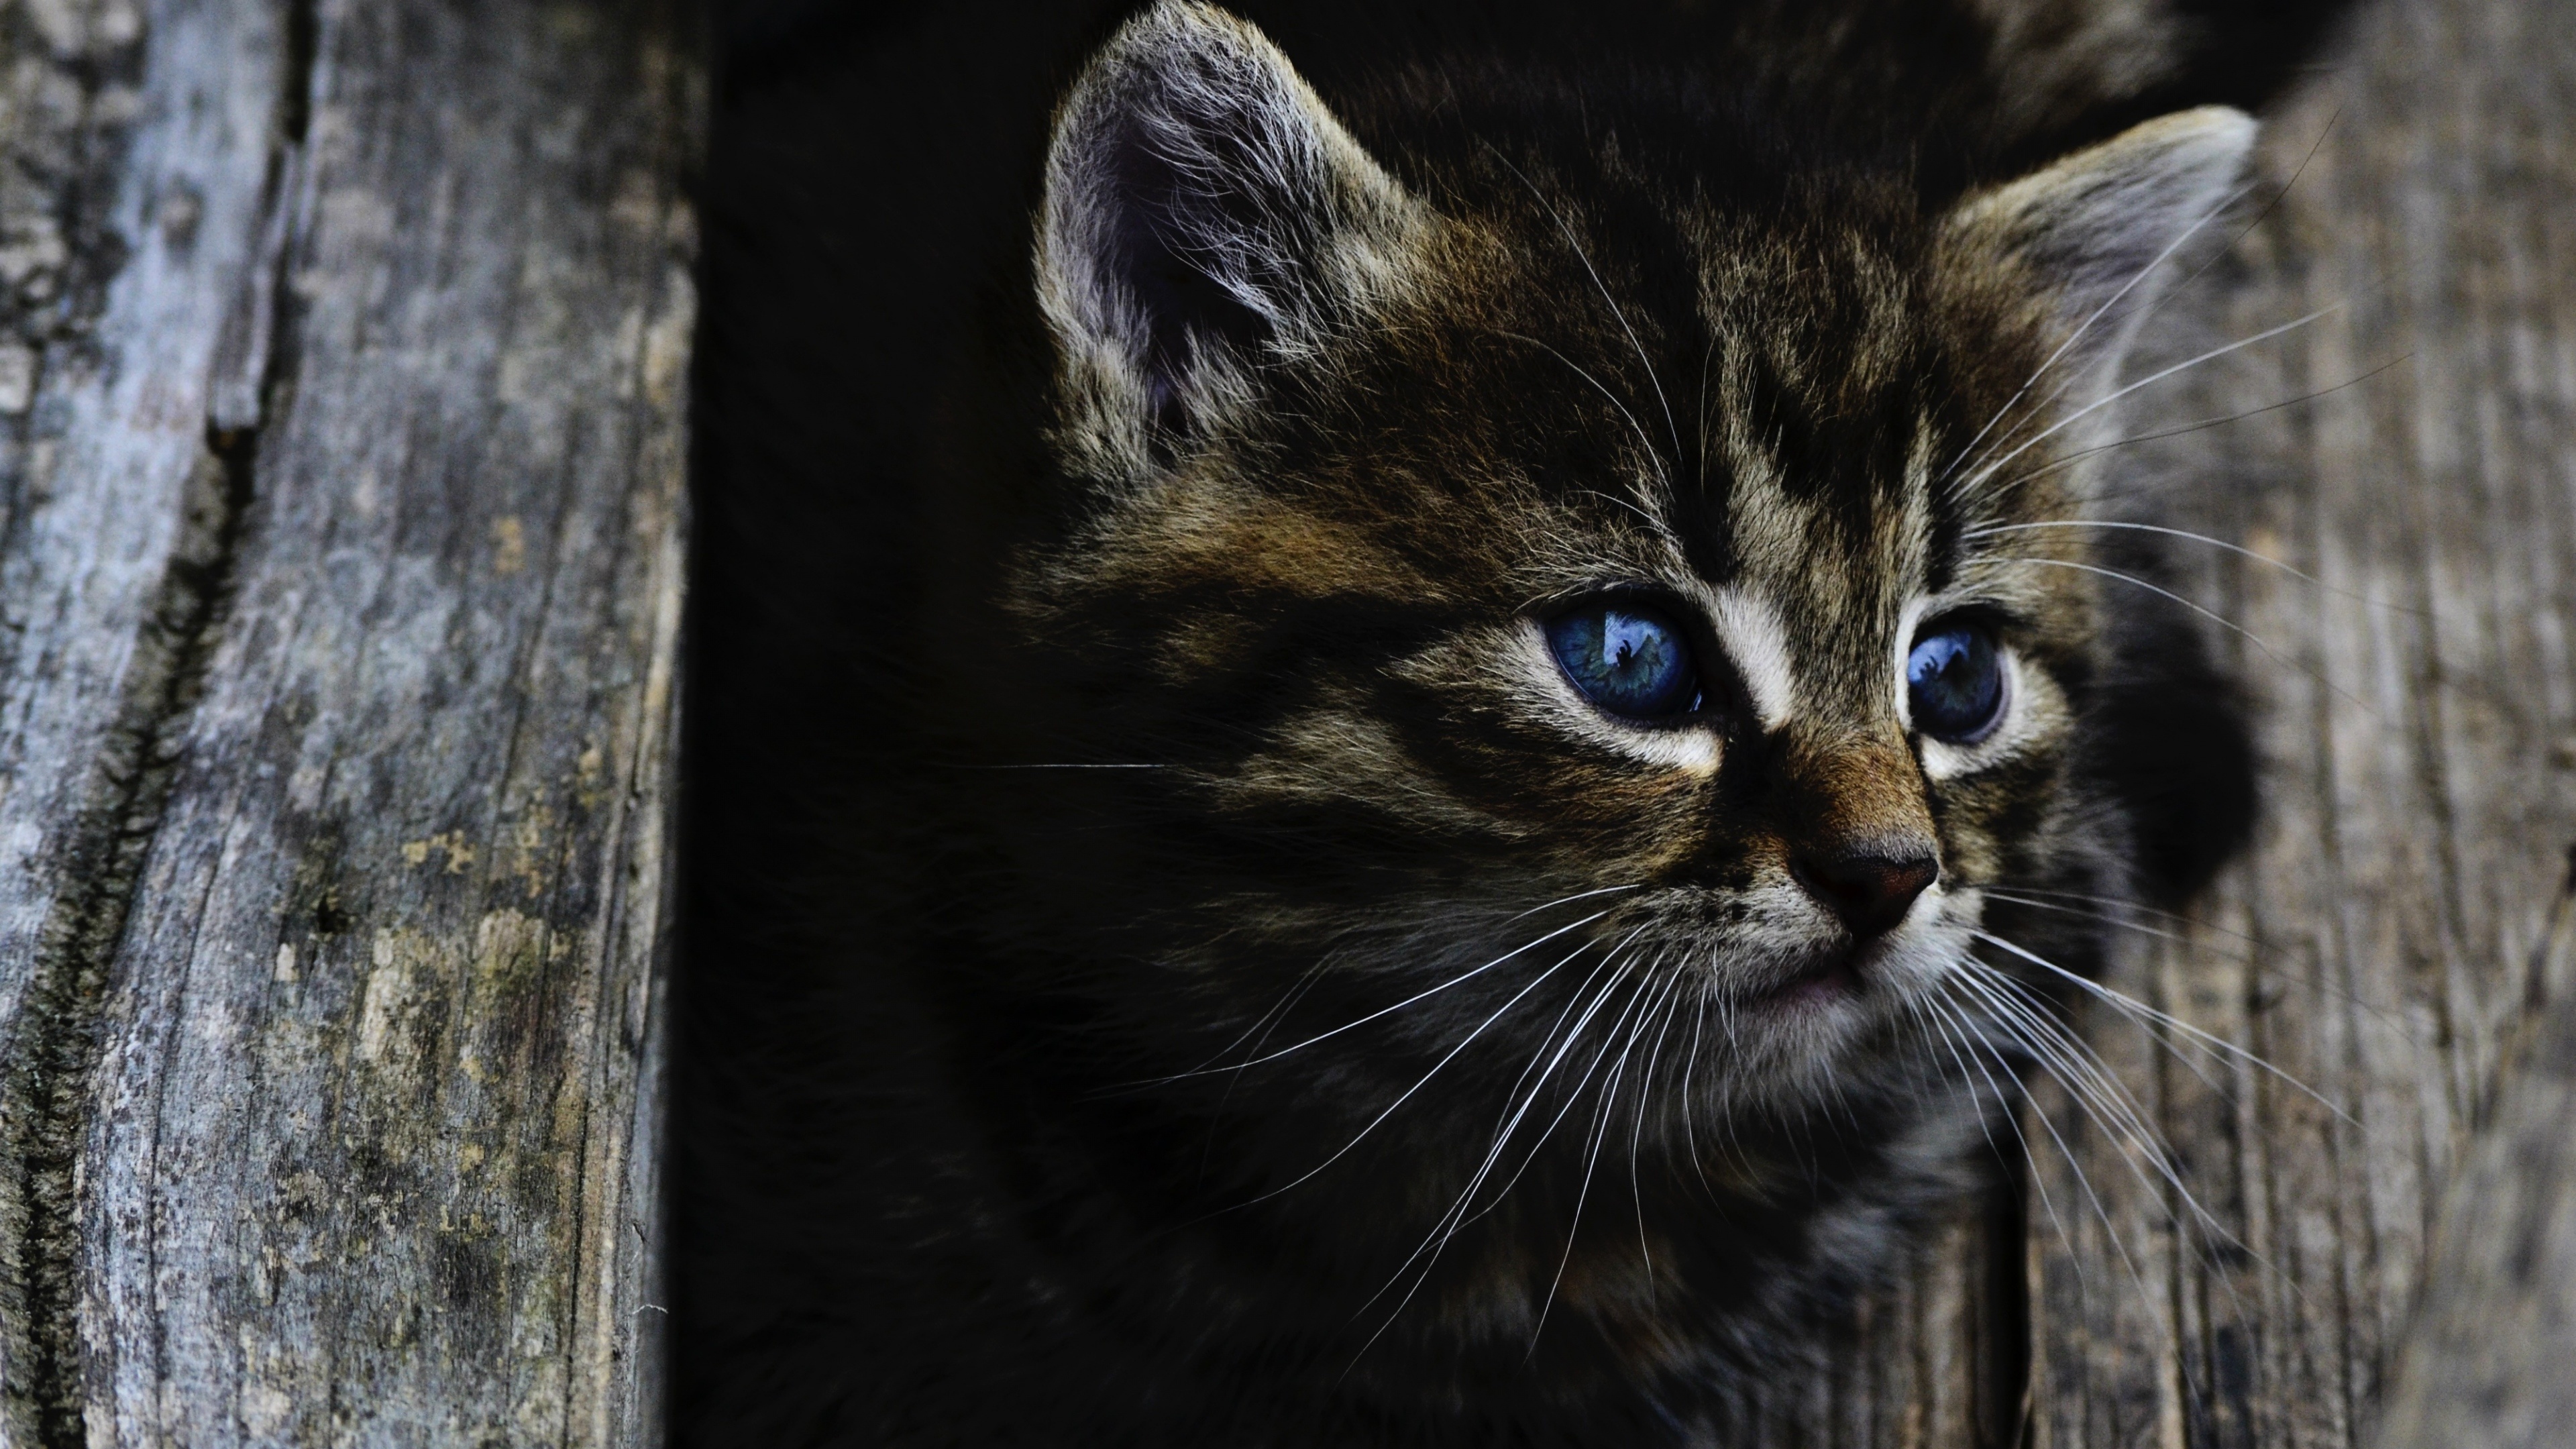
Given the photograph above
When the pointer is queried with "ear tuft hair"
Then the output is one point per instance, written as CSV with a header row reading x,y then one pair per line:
x,y
1204,213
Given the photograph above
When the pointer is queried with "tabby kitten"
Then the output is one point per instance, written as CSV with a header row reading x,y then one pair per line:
x,y
1470,659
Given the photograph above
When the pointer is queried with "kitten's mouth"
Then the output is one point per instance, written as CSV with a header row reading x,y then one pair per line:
x,y
1828,978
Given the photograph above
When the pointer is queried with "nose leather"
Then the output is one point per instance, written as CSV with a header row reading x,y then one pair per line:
x,y
1868,887
1857,826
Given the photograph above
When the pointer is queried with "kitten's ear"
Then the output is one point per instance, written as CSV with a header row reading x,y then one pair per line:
x,y
1203,214
2090,230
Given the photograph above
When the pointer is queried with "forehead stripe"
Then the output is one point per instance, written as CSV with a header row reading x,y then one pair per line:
x,y
1754,640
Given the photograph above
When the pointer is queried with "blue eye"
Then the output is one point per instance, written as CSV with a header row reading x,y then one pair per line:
x,y
1954,683
1626,659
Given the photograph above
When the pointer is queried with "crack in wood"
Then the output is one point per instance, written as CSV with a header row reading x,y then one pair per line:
x,y
2005,1420
43,1094
55,1046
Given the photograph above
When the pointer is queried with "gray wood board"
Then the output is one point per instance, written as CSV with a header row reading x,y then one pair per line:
x,y
1919,1368
2415,703
131,216
2402,920
340,535
2486,1359
342,574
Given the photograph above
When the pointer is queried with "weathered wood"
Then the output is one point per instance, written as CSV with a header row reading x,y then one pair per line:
x,y
2401,919
340,521
342,439
1920,1369
2416,708
2487,1358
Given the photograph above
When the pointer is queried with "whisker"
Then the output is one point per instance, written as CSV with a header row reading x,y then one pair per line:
x,y
1945,1016
1652,455
2124,904
2025,896
1442,1231
2072,1059
2111,1106
2097,1090
1706,356
1919,1053
1618,961
2126,1004
1590,1003
2191,1064
1669,1007
2075,1064
2083,1179
1569,900
1574,1096
1690,1066
1464,1042
2087,324
2079,455
1591,1160
1657,524
2119,1244
1267,1023
1575,245
2218,543
1988,470
1383,1011
2214,617
2178,288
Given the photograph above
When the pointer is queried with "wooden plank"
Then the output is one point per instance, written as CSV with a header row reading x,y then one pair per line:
x,y
2485,1359
131,215
339,1123
2415,701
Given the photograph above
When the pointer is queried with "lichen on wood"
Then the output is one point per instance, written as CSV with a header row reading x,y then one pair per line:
x,y
341,576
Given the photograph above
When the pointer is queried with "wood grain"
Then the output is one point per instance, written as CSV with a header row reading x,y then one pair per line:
x,y
2485,1359
2415,697
2241,1263
342,574
129,244
341,445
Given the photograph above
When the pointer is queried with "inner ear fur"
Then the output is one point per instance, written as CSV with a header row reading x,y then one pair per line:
x,y
2086,240
1204,215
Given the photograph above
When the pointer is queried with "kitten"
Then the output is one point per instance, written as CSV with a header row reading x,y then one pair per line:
x,y
1395,846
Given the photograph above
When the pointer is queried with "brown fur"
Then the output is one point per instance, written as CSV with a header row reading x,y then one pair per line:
x,y
1341,1030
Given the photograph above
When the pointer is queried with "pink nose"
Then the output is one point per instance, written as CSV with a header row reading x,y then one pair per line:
x,y
1869,887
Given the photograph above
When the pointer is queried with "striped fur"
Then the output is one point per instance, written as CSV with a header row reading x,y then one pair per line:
x,y
1334,1029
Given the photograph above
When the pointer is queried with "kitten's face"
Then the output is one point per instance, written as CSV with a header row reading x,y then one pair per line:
x,y
1564,606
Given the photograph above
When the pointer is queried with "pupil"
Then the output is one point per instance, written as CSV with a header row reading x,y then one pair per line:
x,y
1955,682
1626,660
